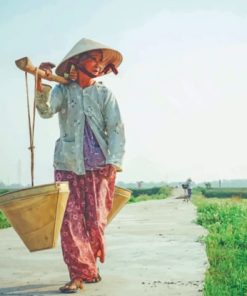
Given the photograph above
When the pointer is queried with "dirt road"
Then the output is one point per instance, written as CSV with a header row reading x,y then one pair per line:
x,y
153,249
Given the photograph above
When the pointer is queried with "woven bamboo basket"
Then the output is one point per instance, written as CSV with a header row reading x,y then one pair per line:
x,y
121,197
36,213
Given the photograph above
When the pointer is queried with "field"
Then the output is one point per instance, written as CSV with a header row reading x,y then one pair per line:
x,y
150,193
226,243
225,192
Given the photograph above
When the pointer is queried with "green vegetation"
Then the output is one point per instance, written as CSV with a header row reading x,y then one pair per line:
x,y
226,245
148,191
3,221
225,192
2,191
150,194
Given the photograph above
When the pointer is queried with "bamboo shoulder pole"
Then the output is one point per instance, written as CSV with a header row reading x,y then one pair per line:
x,y
26,65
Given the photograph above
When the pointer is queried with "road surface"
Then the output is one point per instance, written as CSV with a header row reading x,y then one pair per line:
x,y
153,249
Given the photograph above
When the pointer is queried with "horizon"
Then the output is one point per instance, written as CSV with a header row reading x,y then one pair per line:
x,y
222,183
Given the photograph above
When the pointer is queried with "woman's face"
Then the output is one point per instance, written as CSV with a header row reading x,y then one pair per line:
x,y
92,62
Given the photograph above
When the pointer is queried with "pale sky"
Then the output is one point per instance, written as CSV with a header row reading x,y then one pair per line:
x,y
181,87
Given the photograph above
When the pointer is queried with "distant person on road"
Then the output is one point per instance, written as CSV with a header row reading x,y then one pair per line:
x,y
187,189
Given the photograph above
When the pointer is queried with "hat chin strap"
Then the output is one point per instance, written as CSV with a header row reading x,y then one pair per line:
x,y
85,71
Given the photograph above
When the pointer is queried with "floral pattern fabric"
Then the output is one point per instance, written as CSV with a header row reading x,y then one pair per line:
x,y
85,218
93,155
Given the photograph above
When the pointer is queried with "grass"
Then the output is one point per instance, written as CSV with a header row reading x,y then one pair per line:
x,y
145,197
225,192
162,193
226,245
3,221
2,191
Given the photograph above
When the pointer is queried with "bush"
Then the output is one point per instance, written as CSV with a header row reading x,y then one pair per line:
x,y
2,191
148,191
225,192
148,194
3,221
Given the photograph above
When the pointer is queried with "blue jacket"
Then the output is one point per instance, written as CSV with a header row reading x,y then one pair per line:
x,y
74,104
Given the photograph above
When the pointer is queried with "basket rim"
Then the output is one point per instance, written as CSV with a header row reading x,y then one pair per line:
x,y
122,188
5,197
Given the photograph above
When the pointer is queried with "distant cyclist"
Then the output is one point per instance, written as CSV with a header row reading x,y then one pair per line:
x,y
187,189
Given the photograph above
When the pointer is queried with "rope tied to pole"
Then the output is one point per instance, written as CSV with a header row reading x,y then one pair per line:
x,y
31,123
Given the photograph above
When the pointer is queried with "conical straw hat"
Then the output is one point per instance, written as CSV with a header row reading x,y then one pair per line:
x,y
110,56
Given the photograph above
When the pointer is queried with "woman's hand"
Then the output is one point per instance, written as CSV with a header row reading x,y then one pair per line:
x,y
47,67
111,170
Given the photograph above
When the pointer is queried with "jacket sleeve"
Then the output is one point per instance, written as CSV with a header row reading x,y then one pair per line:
x,y
46,107
115,132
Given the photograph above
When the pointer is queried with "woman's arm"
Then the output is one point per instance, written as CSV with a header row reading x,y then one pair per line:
x,y
45,107
115,132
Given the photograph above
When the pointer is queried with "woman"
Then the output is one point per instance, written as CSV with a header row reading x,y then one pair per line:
x,y
88,153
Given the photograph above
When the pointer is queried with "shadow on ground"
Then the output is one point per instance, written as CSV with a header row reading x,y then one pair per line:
x,y
30,290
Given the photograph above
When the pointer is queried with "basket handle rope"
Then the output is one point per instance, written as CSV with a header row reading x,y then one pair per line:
x,y
31,123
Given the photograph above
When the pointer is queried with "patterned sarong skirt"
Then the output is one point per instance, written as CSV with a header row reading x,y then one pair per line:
x,y
85,218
